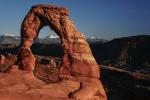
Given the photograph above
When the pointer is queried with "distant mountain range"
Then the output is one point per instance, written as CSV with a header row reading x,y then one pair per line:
x,y
9,39
134,50
50,39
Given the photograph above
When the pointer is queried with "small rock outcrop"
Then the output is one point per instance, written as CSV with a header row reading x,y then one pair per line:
x,y
78,63
2,59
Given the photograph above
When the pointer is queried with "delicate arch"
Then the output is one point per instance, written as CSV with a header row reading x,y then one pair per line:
x,y
77,60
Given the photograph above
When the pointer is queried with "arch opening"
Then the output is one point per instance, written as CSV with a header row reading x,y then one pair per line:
x,y
47,43
48,52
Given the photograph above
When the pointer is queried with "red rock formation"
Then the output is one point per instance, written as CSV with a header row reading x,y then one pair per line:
x,y
78,62
26,59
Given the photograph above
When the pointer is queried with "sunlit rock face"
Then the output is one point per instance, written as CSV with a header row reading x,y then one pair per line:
x,y
78,63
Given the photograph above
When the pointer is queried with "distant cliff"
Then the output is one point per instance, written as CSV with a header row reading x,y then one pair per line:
x,y
133,50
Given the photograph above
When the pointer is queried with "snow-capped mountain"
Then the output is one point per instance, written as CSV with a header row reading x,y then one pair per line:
x,y
50,39
8,34
94,39
9,39
52,36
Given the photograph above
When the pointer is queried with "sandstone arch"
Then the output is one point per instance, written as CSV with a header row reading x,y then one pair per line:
x,y
78,62
78,59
